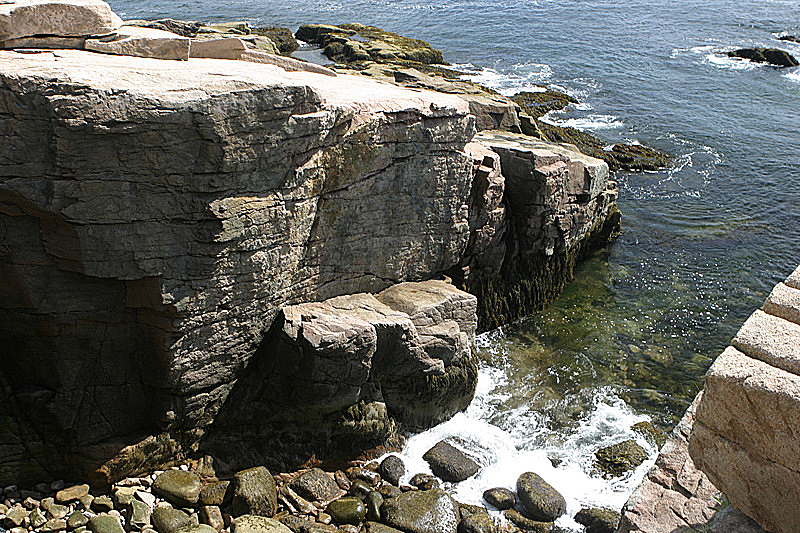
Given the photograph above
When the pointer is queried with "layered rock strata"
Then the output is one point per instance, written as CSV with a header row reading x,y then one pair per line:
x,y
745,437
157,215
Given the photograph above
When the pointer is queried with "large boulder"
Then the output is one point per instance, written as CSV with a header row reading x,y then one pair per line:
x,y
449,463
178,487
254,493
425,511
541,501
64,18
141,42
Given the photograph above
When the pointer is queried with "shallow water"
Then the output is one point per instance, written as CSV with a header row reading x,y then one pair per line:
x,y
703,242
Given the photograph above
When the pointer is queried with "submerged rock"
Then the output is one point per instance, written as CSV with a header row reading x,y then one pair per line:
x,y
540,500
450,463
773,56
619,458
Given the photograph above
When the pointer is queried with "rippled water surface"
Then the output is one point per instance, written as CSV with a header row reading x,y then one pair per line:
x,y
703,242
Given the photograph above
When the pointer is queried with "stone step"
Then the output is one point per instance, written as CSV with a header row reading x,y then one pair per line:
x,y
784,302
771,339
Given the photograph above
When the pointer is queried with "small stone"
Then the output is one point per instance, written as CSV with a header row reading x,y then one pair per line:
x,y
102,504
77,519
449,463
374,501
254,493
122,496
217,493
342,480
37,519
324,518
500,498
212,515
16,516
139,514
169,520
105,523
75,492
145,497
424,482
54,524
46,503
388,490
85,503
57,511
359,489
316,485
526,524
29,503
178,487
598,520
347,510
392,469
257,524
540,500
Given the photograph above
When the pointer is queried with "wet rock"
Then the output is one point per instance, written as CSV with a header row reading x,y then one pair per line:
x,y
598,520
139,514
257,524
316,485
169,520
654,436
772,56
424,481
619,458
424,511
477,523
106,523
526,524
449,463
392,469
76,520
374,502
178,487
212,515
216,493
538,104
254,493
541,501
347,510
388,490
359,488
371,477
500,498
76,492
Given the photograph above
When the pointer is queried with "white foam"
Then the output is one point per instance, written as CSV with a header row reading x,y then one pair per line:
x,y
589,122
794,76
523,77
528,445
732,63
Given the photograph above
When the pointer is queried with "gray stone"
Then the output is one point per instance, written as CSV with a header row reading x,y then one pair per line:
x,y
428,511
102,504
105,523
598,520
347,510
254,493
316,485
216,493
141,42
501,498
63,18
540,500
77,519
257,524
36,518
178,487
147,497
784,302
169,520
57,511
139,514
392,469
449,463
122,496
732,520
75,492
15,516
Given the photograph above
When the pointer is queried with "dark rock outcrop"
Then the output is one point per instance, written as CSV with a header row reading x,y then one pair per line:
x,y
791,38
772,56
619,458
449,463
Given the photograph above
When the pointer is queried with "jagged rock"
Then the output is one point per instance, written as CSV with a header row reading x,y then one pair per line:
x,y
257,524
216,493
64,18
501,498
316,485
674,492
178,487
450,463
139,514
254,493
212,515
598,520
392,469
77,519
424,511
540,500
773,56
141,42
619,458
178,27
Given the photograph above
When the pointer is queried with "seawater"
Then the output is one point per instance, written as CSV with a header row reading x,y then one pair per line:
x,y
704,241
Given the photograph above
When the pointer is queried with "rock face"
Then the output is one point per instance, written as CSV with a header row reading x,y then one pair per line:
x,y
64,18
560,203
773,56
745,436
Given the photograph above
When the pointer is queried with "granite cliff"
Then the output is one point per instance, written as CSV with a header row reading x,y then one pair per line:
x,y
188,248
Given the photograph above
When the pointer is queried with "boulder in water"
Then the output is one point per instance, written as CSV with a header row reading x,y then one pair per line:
x,y
598,520
450,463
540,500
773,56
619,458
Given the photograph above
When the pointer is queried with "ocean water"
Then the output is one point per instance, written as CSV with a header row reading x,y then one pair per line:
x,y
704,241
